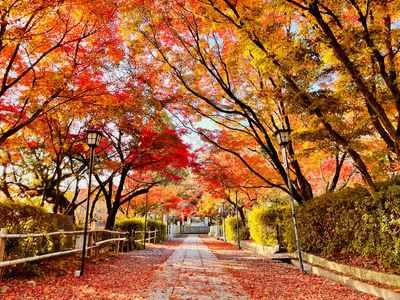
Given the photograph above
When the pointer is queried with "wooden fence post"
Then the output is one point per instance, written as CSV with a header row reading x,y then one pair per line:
x,y
90,237
118,242
125,243
2,249
96,239
131,235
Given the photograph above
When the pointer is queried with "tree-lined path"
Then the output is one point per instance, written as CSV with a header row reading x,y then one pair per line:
x,y
189,267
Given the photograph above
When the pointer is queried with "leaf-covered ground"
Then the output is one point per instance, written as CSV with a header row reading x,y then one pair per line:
x,y
120,277
266,279
126,276
355,260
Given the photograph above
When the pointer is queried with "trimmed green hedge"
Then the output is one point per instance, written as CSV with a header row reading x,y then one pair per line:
x,y
132,225
158,225
332,222
230,223
21,218
24,219
263,222
348,221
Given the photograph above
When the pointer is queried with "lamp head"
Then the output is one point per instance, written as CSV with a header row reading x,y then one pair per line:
x,y
282,135
93,138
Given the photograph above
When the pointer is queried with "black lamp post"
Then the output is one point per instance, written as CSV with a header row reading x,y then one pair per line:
x,y
145,221
162,212
223,217
237,222
282,136
162,219
93,140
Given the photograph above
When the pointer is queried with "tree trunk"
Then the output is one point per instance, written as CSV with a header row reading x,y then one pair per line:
x,y
111,218
339,165
242,216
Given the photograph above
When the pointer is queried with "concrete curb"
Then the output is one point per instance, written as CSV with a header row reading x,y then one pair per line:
x,y
364,274
259,248
354,283
256,248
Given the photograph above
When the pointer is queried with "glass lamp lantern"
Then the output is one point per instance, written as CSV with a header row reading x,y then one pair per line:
x,y
93,138
282,135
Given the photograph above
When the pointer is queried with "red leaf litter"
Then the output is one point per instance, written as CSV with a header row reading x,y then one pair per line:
x,y
120,277
267,279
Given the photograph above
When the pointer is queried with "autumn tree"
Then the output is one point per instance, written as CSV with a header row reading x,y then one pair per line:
x,y
222,176
43,164
364,41
52,53
166,193
142,156
212,82
297,62
335,49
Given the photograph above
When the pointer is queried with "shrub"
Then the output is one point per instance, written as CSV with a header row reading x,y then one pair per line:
x,y
263,223
25,219
230,224
378,233
244,233
22,218
329,223
348,221
161,227
131,225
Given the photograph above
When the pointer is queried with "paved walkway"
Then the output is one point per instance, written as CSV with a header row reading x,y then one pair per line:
x,y
193,272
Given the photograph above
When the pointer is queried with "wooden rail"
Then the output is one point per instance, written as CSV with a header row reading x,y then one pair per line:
x,y
11,236
149,234
93,243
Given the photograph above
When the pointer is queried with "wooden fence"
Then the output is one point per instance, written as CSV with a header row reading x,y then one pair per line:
x,y
93,244
151,235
